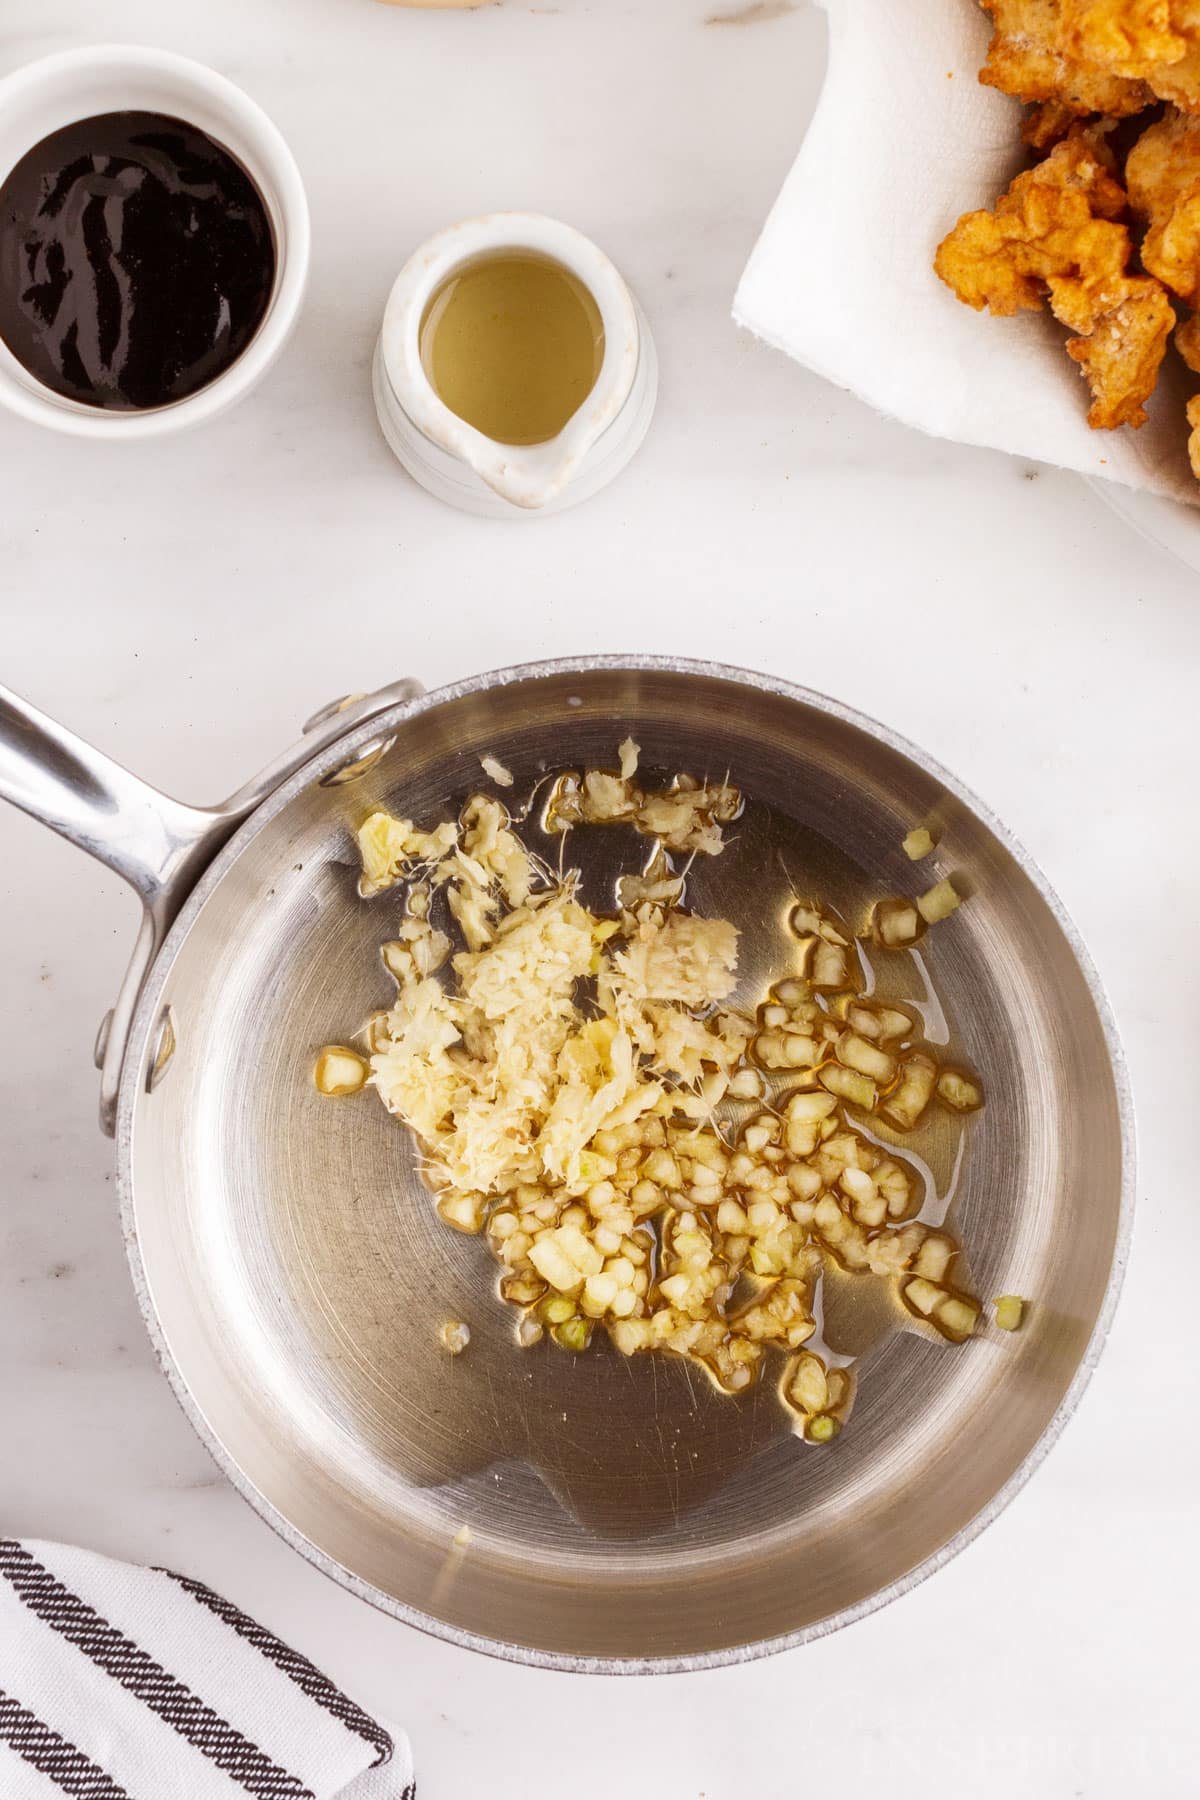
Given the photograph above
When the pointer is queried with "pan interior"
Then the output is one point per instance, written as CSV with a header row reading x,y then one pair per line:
x,y
615,1507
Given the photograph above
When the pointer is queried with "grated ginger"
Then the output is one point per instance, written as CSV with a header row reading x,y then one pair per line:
x,y
502,1077
677,956
563,1071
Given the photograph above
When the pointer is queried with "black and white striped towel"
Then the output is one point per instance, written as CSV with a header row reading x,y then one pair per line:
x,y
121,1683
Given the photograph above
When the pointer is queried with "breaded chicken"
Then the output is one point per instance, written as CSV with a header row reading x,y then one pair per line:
x,y
1155,41
1056,237
1162,172
1121,356
1109,56
1047,124
1179,82
1056,221
1027,59
1126,37
1061,235
1187,341
1193,444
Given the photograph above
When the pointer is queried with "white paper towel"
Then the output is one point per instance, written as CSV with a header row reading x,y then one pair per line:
x,y
904,140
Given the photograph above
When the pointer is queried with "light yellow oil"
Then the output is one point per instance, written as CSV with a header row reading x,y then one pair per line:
x,y
513,344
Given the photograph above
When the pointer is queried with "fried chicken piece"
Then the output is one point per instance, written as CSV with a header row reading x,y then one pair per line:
x,y
1125,37
1055,235
1163,176
1056,221
1179,82
1047,124
1027,59
1155,41
1193,443
1110,56
1187,341
1121,356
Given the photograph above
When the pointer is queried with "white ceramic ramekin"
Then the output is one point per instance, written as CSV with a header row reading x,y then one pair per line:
x,y
98,78
460,465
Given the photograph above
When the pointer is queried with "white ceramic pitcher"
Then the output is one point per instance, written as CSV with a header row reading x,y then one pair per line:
x,y
458,463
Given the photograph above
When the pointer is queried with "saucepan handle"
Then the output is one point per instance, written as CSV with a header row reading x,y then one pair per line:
x,y
87,797
159,845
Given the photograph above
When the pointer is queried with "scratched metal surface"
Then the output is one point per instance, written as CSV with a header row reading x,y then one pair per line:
x,y
618,1509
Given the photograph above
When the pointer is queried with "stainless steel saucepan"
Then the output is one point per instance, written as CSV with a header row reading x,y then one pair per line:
x,y
621,1514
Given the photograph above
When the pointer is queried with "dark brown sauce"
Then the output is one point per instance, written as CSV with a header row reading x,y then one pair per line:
x,y
136,260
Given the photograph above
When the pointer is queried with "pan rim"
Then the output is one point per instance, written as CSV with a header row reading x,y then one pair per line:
x,y
146,1015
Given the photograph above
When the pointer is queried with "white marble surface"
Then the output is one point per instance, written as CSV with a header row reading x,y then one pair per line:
x,y
186,605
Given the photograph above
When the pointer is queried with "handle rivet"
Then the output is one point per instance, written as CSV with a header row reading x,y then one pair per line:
x,y
366,759
331,711
164,1049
